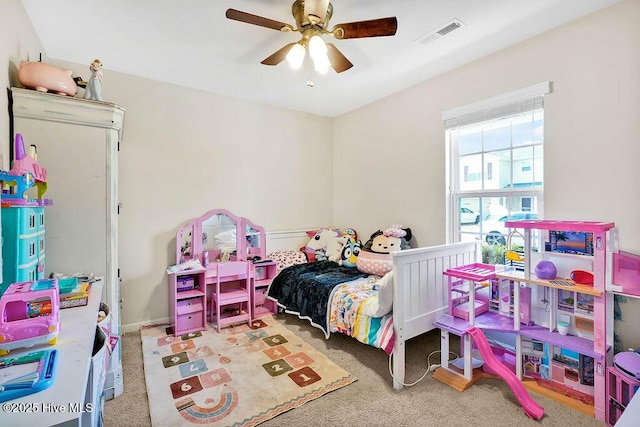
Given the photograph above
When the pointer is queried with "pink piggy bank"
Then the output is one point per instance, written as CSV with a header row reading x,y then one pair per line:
x,y
45,77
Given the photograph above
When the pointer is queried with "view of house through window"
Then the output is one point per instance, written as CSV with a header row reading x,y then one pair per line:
x,y
496,173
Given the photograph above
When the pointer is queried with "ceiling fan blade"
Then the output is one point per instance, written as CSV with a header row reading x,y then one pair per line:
x,y
260,21
316,8
338,61
278,56
373,28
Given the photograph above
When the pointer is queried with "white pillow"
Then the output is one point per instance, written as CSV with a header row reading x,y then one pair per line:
x,y
226,240
382,305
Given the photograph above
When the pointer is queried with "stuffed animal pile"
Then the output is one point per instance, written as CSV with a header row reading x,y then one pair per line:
x,y
333,245
343,247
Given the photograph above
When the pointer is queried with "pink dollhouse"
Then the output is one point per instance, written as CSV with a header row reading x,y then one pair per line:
x,y
554,336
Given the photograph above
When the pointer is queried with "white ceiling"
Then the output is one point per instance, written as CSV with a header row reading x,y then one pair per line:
x,y
191,43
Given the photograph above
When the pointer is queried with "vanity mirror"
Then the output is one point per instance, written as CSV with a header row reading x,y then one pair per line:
x,y
254,240
219,232
184,239
224,236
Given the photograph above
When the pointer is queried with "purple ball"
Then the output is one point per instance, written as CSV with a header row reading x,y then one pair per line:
x,y
546,270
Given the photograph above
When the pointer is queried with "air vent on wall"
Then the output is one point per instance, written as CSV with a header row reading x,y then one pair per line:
x,y
442,31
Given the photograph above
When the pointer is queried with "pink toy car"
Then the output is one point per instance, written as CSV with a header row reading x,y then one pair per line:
x,y
29,314
45,77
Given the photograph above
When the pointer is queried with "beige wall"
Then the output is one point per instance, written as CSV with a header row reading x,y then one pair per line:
x,y
592,135
18,42
186,151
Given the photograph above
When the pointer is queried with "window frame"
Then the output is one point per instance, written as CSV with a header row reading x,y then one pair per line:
x,y
501,106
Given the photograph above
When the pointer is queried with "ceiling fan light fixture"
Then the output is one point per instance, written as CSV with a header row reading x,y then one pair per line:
x,y
317,47
312,21
321,64
316,10
295,57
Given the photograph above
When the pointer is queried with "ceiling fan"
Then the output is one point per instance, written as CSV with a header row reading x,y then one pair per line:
x,y
312,20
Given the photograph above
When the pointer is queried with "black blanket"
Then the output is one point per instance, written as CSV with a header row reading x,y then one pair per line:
x,y
305,289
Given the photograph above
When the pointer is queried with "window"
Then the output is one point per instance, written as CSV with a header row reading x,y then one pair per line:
x,y
495,165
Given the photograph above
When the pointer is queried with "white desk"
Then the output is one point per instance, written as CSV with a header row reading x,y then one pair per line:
x,y
71,388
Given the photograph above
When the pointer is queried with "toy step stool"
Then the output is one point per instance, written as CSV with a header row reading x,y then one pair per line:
x,y
620,389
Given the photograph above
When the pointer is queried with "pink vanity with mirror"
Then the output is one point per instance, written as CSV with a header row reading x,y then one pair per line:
x,y
232,283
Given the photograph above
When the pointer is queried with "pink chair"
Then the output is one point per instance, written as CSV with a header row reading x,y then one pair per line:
x,y
230,299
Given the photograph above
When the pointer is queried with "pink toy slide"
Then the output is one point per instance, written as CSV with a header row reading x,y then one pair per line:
x,y
530,406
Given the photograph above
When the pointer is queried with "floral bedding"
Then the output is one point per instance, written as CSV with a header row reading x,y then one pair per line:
x,y
334,299
284,259
349,303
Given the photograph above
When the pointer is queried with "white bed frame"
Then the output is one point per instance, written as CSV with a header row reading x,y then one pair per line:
x,y
419,291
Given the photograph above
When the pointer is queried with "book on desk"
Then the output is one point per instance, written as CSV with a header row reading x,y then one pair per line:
x,y
28,374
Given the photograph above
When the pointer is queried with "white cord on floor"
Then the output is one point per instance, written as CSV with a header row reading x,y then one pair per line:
x,y
430,367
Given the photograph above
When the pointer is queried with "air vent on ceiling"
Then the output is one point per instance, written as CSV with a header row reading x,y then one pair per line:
x,y
442,31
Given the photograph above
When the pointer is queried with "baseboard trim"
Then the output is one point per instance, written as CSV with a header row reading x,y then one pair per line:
x,y
135,327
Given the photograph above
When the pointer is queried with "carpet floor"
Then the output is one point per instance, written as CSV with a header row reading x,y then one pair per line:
x,y
428,403
242,376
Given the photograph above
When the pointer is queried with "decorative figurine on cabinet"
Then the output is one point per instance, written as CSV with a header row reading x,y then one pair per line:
x,y
94,86
46,78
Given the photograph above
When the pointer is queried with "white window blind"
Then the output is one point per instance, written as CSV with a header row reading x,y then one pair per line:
x,y
512,103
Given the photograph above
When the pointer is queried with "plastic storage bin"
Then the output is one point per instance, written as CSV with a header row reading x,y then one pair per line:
x,y
105,323
99,361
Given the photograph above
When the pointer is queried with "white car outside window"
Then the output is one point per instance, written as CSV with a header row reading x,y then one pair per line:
x,y
467,216
496,233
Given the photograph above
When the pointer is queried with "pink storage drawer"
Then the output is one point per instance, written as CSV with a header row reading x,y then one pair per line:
x,y
189,305
189,321
626,272
260,296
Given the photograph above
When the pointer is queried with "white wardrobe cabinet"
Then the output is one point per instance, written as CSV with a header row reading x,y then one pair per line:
x,y
77,142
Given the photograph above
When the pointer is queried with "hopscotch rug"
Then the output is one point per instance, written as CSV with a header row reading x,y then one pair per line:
x,y
242,376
